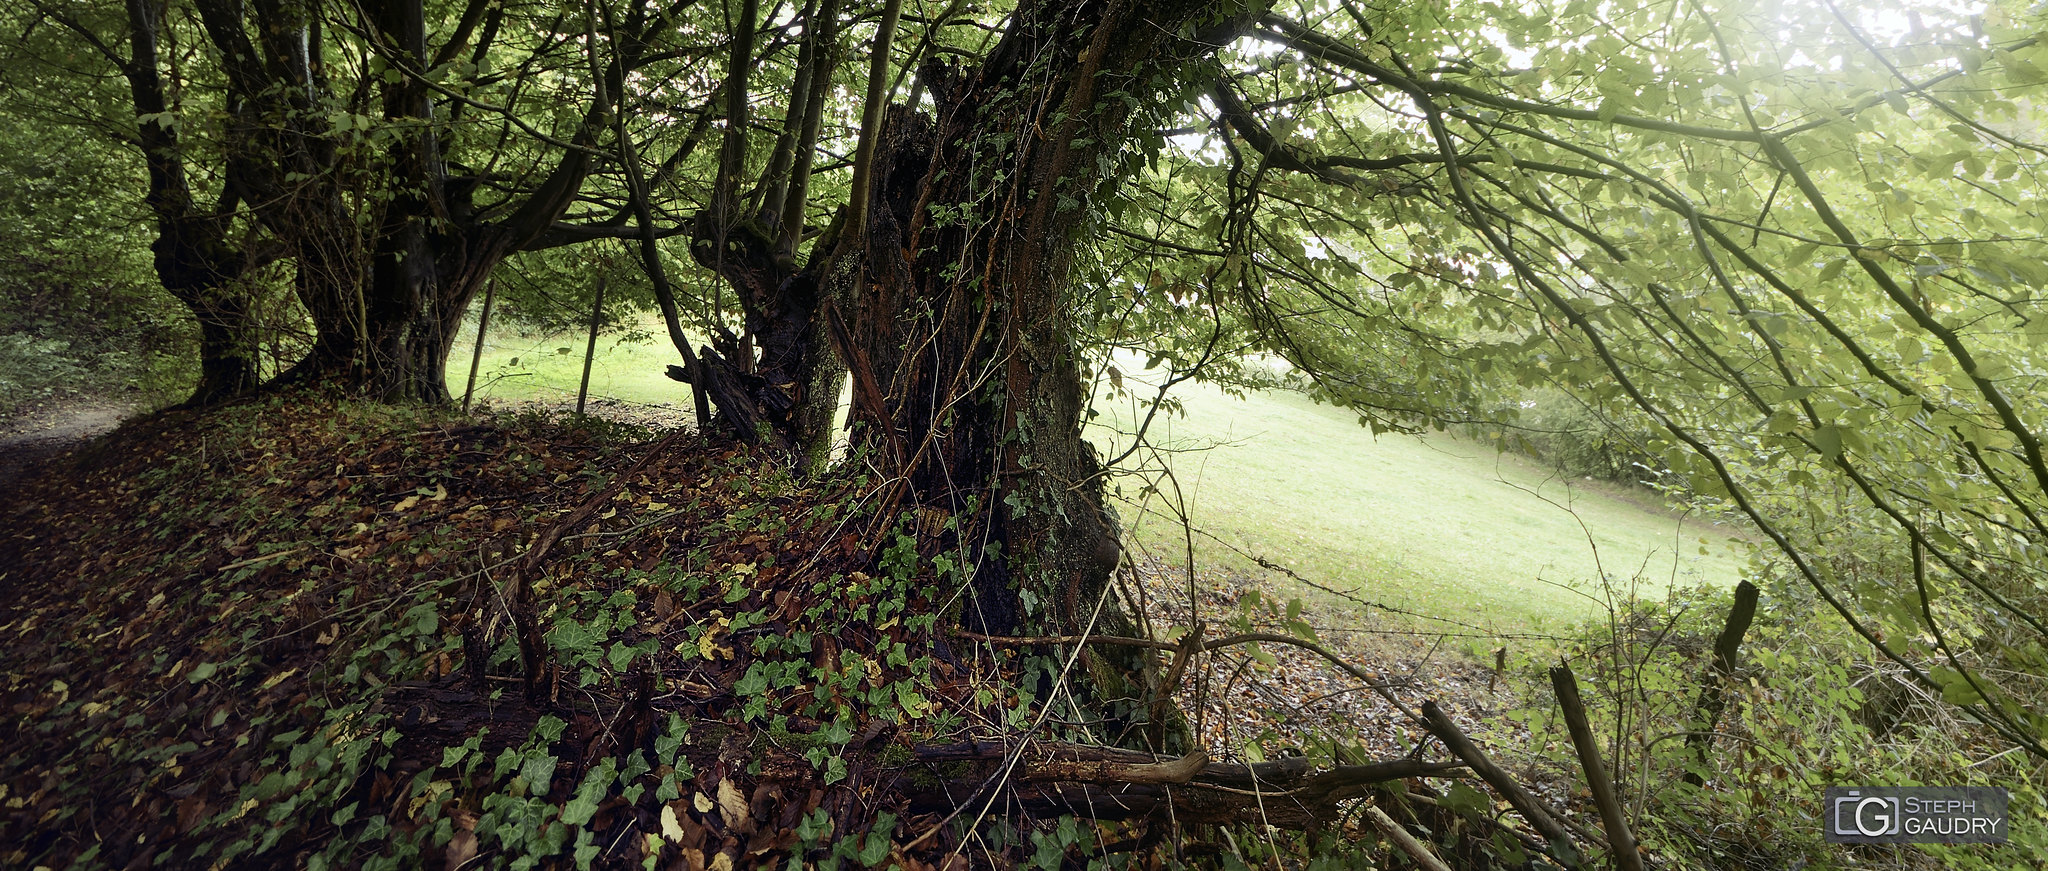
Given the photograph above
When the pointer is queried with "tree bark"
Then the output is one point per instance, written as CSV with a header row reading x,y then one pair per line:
x,y
1108,783
1621,842
1712,697
386,291
781,382
193,258
963,318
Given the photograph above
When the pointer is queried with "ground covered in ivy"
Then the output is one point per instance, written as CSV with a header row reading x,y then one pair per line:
x,y
299,633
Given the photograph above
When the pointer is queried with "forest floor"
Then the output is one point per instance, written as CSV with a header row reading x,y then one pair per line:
x,y
1301,696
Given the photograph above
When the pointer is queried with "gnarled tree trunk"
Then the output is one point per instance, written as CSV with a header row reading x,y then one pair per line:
x,y
962,327
386,290
952,310
194,259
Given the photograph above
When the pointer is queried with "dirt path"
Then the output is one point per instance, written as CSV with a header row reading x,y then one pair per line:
x,y
29,439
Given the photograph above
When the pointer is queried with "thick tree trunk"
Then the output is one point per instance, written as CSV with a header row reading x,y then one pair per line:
x,y
956,319
786,388
964,322
194,261
390,339
386,295
227,346
780,382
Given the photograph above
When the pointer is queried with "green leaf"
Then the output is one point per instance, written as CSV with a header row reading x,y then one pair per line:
x,y
875,847
1464,799
423,618
1800,254
538,771
1828,440
1956,689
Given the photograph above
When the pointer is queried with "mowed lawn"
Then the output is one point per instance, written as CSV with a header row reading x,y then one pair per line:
x,y
519,367
1436,525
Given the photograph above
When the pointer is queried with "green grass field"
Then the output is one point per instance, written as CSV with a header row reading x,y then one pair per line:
x,y
1436,525
519,367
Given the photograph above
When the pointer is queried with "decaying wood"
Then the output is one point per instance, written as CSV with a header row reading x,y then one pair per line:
x,y
1618,836
1400,837
1110,783
1545,823
1040,778
1727,649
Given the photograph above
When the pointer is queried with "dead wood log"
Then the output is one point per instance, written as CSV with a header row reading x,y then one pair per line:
x,y
1400,837
1546,823
1111,783
1037,778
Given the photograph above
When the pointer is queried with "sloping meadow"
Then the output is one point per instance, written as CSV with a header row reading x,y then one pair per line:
x,y
293,632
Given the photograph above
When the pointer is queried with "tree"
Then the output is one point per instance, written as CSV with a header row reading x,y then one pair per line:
x,y
387,269
376,164
947,282
195,259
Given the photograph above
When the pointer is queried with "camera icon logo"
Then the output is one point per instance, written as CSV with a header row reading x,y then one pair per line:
x,y
1869,816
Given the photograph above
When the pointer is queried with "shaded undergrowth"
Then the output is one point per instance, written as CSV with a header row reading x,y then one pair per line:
x,y
292,632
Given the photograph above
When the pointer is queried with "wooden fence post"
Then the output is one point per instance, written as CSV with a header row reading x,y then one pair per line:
x,y
1621,843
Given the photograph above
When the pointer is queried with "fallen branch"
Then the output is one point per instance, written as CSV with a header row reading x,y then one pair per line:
x,y
1403,840
1111,783
1545,823
519,601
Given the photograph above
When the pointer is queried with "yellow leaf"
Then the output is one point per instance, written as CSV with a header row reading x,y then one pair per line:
x,y
671,827
702,803
733,807
707,644
407,503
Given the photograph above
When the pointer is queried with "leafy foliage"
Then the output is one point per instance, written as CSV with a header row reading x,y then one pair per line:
x,y
1803,243
1807,714
78,307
